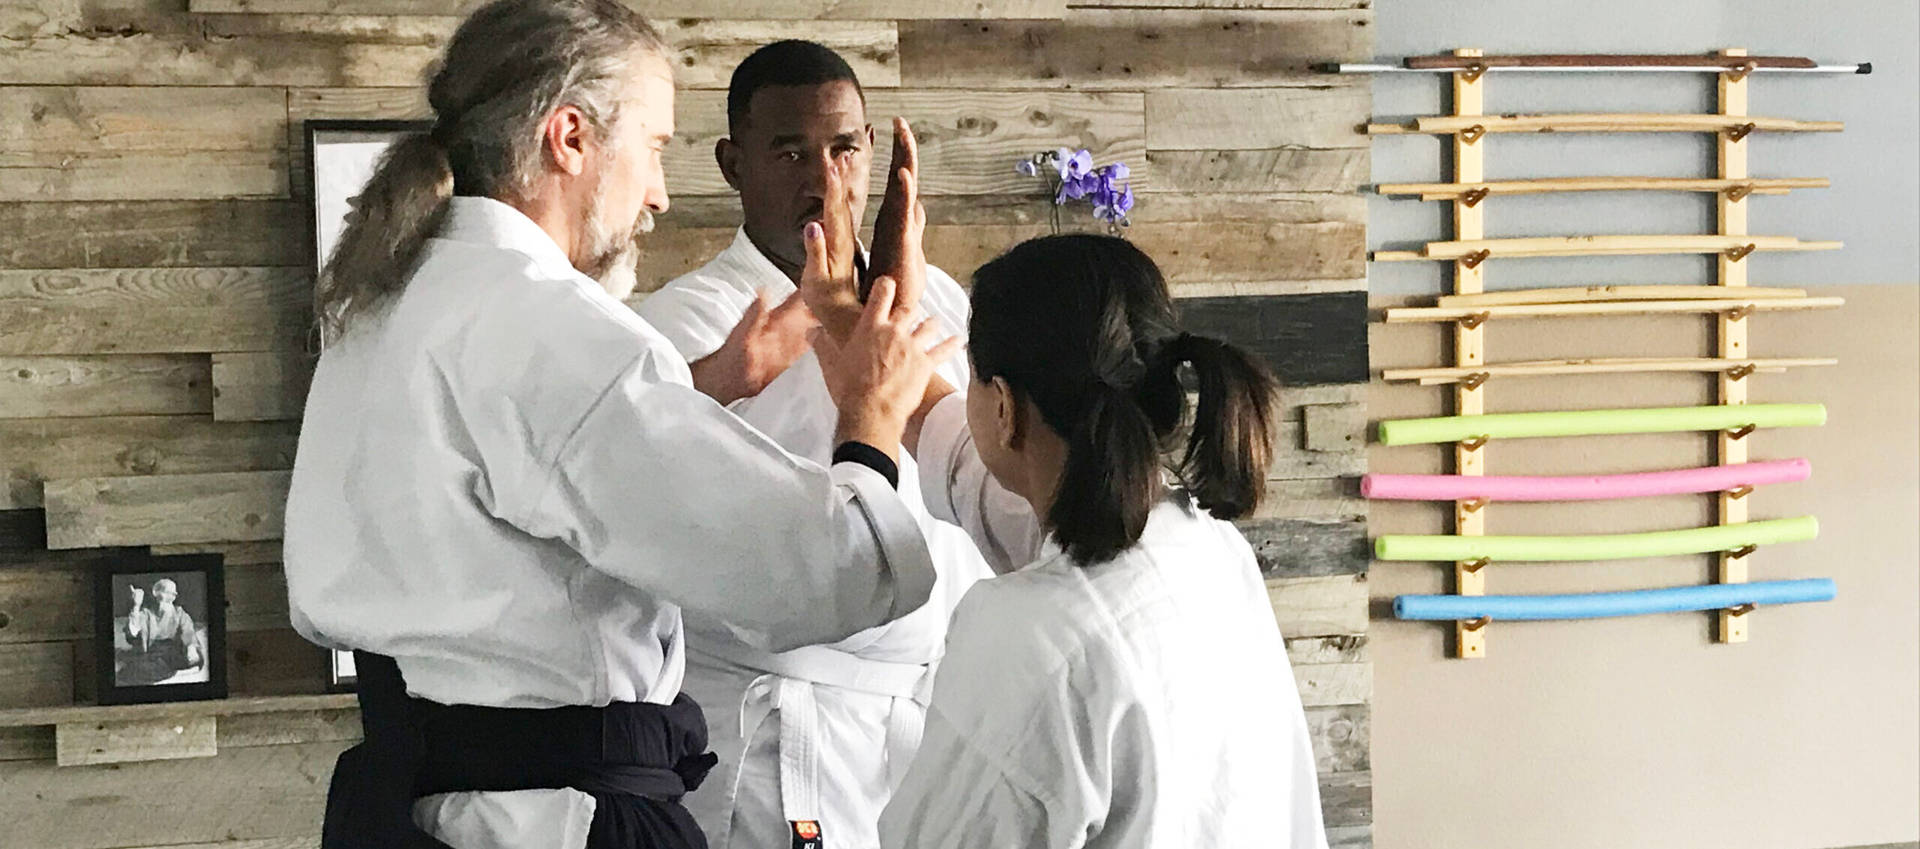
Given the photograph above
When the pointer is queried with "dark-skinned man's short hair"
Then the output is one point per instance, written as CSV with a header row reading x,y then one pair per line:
x,y
784,63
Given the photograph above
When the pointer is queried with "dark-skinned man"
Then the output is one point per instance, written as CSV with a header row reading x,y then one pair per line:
x,y
822,734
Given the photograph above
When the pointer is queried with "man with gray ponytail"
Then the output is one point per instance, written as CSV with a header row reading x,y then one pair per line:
x,y
508,485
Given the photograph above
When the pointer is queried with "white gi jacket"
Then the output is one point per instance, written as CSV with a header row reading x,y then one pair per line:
x,y
506,482
823,733
1143,702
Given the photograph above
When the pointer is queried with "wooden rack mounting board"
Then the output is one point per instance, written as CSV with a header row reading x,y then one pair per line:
x,y
1546,185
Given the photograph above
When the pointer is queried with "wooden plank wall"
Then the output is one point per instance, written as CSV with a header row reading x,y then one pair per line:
x,y
155,284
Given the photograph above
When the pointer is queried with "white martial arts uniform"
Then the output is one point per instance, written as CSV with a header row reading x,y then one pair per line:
x,y
506,482
823,733
1142,702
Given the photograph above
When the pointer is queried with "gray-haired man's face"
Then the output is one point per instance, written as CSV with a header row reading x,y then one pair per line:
x,y
630,180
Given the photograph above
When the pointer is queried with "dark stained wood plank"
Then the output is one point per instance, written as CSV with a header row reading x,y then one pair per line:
x,y
35,675
154,234
1299,548
237,506
139,311
231,553
276,662
140,384
1305,339
33,451
1134,49
22,531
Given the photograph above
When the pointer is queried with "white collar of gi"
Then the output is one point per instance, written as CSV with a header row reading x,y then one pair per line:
x,y
486,221
761,273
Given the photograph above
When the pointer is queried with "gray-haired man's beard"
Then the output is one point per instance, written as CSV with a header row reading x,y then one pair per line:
x,y
613,254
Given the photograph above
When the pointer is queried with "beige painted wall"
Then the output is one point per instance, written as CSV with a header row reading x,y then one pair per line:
x,y
1642,732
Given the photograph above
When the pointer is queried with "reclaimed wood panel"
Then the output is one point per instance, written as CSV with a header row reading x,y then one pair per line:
x,y
1344,648
1284,170
1319,607
969,140
67,387
90,743
154,234
1350,837
1197,252
1305,339
33,451
283,728
35,675
94,512
1334,499
71,143
145,310
1324,684
1292,461
795,10
44,604
1341,736
1346,799
145,47
1258,118
1301,548
1334,427
1034,205
1220,4
260,387
1133,49
261,792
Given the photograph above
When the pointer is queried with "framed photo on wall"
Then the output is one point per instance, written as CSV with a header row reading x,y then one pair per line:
x,y
160,629
341,156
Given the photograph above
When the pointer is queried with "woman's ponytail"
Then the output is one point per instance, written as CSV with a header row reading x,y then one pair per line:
x,y
1225,463
1111,479
400,208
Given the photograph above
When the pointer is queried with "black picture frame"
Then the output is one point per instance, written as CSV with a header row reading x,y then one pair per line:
x,y
199,587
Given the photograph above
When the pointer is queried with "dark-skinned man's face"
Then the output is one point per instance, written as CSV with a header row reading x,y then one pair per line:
x,y
778,160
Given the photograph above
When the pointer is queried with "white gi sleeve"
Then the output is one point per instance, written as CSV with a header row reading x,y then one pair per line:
x,y
665,490
957,488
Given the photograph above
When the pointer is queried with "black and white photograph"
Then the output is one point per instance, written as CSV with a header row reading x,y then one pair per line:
x,y
161,629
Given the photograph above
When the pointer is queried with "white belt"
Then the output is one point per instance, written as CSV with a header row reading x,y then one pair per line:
x,y
788,686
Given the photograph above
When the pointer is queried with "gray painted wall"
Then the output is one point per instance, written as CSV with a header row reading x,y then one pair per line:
x,y
1873,205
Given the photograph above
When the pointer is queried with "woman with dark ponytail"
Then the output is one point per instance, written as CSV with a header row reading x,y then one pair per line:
x,y
1128,687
